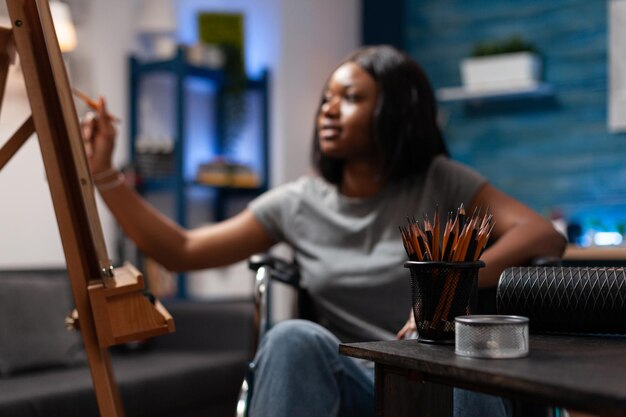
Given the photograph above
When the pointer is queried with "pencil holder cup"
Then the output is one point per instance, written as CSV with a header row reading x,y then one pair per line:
x,y
441,291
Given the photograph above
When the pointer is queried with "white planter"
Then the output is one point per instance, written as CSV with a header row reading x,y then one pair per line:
x,y
501,72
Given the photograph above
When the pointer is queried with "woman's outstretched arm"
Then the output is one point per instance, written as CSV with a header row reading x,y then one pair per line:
x,y
178,249
156,235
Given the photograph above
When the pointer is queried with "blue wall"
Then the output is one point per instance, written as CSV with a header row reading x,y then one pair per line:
x,y
551,154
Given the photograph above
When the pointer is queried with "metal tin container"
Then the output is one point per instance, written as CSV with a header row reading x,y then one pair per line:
x,y
491,336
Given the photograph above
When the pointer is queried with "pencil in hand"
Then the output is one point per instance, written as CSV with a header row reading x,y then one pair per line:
x,y
91,103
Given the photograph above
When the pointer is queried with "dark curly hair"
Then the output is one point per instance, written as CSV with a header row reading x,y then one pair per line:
x,y
404,124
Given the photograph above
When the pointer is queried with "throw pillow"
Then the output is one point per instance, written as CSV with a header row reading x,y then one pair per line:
x,y
33,307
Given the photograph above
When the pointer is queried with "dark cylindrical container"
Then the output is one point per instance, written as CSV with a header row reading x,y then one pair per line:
x,y
441,291
566,299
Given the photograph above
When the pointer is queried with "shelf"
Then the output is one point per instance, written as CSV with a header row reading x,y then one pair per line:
x,y
461,94
174,181
252,191
156,183
182,70
178,65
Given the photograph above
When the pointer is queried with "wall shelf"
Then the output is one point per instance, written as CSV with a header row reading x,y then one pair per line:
x,y
538,91
181,70
171,177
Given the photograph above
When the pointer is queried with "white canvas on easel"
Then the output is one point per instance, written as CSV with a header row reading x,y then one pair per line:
x,y
38,245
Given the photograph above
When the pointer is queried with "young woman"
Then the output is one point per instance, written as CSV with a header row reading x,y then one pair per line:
x,y
380,157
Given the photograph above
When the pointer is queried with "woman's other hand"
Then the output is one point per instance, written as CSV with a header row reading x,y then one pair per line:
x,y
98,131
409,330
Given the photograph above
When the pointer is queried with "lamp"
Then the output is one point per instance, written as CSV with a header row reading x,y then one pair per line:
x,y
157,27
63,25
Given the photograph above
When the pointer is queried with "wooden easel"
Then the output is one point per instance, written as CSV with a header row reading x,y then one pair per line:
x,y
109,301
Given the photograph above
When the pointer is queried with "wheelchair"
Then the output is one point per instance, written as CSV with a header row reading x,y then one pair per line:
x,y
269,268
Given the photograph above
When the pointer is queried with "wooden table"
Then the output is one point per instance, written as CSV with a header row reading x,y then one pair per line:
x,y
578,372
595,256
602,253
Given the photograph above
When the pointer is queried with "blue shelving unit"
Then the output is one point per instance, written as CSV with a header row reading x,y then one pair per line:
x,y
181,70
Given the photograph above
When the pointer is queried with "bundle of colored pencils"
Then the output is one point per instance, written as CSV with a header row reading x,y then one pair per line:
x,y
463,238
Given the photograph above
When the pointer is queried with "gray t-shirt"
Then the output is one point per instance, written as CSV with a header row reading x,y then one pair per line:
x,y
349,250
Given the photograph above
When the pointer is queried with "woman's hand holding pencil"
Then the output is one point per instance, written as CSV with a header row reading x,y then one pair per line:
x,y
98,131
92,104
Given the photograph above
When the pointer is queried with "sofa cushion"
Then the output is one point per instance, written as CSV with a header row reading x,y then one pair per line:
x,y
210,325
151,383
33,307
172,382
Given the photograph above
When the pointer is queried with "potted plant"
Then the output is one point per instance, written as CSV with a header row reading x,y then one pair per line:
x,y
501,65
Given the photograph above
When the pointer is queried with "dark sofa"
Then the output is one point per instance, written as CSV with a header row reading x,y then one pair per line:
x,y
193,372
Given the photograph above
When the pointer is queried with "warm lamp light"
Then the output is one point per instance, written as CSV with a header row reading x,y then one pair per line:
x,y
63,25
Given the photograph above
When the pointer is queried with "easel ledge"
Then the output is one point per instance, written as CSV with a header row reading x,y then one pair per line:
x,y
122,313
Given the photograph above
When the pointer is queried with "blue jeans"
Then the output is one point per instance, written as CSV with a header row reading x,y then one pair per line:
x,y
474,404
300,373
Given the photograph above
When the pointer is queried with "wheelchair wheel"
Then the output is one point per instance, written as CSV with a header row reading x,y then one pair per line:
x,y
245,393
